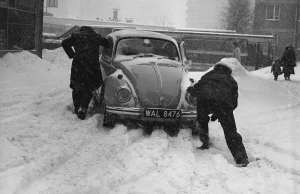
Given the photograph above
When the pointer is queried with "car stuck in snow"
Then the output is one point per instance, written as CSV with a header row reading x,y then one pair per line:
x,y
145,77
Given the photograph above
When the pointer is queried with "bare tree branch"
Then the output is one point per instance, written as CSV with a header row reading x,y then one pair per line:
x,y
162,22
238,16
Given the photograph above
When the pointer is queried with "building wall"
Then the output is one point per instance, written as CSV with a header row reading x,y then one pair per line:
x,y
21,25
282,29
205,13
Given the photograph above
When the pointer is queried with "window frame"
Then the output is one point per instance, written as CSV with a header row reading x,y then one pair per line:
x,y
107,56
4,3
145,37
273,12
52,3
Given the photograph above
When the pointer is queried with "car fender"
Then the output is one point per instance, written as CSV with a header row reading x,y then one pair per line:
x,y
114,82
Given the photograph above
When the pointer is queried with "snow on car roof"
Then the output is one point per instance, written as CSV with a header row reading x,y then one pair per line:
x,y
139,33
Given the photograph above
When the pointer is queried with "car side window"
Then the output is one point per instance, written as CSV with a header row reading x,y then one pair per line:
x,y
107,52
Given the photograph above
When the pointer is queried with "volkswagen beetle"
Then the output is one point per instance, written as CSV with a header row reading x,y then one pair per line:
x,y
145,77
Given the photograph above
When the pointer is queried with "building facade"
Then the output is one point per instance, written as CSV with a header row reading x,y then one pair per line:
x,y
79,9
205,13
277,18
21,25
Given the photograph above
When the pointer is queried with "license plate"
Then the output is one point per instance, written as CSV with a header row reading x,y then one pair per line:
x,y
162,113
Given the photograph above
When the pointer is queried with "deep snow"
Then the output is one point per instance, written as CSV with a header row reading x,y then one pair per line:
x,y
44,148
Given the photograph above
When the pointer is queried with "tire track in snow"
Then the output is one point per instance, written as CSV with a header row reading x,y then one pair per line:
x,y
101,145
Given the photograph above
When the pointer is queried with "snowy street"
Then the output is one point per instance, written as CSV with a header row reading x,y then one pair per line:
x,y
45,149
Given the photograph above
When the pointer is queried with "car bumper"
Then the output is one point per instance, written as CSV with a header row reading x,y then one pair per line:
x,y
138,113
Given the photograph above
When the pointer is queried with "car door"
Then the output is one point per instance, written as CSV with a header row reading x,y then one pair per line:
x,y
107,58
185,62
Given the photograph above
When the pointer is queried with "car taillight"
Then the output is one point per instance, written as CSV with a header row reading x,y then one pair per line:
x,y
190,99
123,95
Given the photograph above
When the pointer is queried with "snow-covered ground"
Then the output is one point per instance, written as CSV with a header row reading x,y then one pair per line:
x,y
46,149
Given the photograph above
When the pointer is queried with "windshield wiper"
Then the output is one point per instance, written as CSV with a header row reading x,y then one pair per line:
x,y
166,57
144,55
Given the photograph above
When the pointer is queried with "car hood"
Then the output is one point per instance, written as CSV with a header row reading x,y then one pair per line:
x,y
156,80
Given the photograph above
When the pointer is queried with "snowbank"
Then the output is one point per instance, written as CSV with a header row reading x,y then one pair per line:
x,y
44,148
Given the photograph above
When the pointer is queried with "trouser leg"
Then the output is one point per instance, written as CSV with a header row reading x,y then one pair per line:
x,y
203,119
76,96
233,138
86,98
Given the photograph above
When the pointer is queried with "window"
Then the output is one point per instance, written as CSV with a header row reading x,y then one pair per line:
x,y
2,39
52,3
146,47
273,12
107,52
3,3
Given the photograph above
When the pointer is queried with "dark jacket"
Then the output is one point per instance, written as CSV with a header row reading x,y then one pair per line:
x,y
83,48
217,85
276,69
288,60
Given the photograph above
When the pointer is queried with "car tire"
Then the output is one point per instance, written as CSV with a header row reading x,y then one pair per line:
x,y
172,129
148,129
98,98
108,119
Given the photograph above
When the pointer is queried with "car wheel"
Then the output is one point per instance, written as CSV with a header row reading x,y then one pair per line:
x,y
98,98
148,129
109,119
172,129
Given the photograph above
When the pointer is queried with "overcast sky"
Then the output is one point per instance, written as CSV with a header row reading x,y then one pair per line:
x,y
145,11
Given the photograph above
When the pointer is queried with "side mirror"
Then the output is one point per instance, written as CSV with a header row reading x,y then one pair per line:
x,y
187,63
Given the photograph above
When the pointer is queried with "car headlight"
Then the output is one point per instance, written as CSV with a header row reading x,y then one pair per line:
x,y
190,99
123,95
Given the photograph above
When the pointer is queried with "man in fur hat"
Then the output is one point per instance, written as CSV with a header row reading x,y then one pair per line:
x,y
217,94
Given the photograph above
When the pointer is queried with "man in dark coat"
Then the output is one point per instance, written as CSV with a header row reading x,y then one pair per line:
x,y
217,94
288,61
86,77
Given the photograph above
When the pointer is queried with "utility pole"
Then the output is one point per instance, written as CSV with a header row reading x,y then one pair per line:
x,y
296,26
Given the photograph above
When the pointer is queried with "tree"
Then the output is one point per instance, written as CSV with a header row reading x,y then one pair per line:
x,y
162,22
238,16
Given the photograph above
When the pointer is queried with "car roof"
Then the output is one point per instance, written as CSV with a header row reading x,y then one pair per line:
x,y
139,33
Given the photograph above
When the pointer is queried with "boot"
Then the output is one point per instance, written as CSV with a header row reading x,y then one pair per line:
x,y
81,113
242,162
204,146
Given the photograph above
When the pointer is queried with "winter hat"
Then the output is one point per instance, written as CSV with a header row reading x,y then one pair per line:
x,y
277,60
86,29
223,66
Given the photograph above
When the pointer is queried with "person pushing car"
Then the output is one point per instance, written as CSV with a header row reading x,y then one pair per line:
x,y
86,74
217,94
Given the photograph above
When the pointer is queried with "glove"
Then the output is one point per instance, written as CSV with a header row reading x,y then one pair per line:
x,y
191,90
213,118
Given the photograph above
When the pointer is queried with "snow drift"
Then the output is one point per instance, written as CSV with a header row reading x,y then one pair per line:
x,y
46,149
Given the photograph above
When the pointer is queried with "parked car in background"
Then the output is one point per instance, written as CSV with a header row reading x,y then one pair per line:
x,y
145,80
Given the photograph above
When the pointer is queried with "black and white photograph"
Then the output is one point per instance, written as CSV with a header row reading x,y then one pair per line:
x,y
149,97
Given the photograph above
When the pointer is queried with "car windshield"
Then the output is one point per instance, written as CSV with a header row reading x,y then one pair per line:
x,y
146,47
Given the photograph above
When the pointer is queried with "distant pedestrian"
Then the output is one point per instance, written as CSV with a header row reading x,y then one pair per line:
x,y
86,74
276,69
236,53
288,61
217,94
